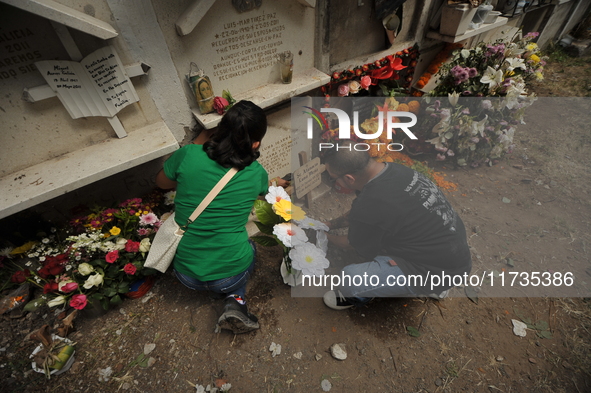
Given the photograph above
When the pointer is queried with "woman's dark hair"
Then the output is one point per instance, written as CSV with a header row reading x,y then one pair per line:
x,y
231,144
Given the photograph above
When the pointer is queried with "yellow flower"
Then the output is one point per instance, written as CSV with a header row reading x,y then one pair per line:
x,y
138,214
115,231
535,59
146,212
287,211
532,46
539,76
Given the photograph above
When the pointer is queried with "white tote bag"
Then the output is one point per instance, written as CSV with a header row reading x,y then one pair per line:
x,y
169,234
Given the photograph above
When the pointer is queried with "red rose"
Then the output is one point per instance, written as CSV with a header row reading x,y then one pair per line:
x,y
50,287
112,256
365,82
132,246
78,301
20,276
55,268
129,269
69,287
220,104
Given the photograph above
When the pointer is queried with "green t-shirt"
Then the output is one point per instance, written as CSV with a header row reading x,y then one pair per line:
x,y
216,245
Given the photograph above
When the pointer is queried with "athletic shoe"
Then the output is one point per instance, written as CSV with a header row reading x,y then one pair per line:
x,y
336,300
237,318
440,296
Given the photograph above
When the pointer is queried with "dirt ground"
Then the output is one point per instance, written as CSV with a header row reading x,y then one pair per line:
x,y
462,346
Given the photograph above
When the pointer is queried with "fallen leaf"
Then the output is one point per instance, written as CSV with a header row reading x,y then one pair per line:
x,y
413,332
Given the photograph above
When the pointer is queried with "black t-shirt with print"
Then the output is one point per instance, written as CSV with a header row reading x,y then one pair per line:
x,y
400,213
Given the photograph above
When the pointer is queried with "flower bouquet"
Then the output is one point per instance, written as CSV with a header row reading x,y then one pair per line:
x,y
100,261
286,224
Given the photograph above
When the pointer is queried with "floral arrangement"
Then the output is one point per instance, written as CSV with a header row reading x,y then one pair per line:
x,y
465,127
496,70
100,257
286,225
436,64
223,103
384,73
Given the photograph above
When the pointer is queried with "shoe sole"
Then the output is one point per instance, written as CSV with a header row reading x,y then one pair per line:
x,y
236,322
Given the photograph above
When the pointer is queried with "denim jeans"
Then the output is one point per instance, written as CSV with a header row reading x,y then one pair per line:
x,y
374,279
234,285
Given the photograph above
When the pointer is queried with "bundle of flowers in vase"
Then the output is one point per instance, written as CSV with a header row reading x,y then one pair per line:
x,y
286,225
100,260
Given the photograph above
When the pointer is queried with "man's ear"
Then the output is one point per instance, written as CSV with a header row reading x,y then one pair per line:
x,y
256,145
349,179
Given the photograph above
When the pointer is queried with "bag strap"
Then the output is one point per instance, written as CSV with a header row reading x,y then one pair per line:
x,y
210,197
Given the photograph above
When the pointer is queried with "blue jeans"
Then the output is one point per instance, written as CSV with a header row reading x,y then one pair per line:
x,y
374,279
235,285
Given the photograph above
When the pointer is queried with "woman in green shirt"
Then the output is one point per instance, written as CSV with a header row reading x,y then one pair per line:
x,y
215,253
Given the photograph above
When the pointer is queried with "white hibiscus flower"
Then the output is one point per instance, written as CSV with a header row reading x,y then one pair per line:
x,y
309,259
289,234
311,223
276,194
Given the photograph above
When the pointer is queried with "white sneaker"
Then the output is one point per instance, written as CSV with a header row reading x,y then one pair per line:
x,y
336,300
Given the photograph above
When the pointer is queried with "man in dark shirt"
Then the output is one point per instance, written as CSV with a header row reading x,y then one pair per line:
x,y
403,224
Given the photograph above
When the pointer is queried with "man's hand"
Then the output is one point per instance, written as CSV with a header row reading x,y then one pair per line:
x,y
340,241
341,222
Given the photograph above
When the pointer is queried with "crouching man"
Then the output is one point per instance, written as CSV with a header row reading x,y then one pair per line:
x,y
402,224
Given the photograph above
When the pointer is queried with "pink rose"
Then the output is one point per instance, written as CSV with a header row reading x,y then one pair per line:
x,y
220,104
343,90
78,301
112,256
130,269
69,287
365,82
132,246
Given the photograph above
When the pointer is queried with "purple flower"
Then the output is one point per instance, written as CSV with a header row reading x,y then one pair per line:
x,y
474,140
436,104
486,104
450,153
466,93
472,72
466,111
440,157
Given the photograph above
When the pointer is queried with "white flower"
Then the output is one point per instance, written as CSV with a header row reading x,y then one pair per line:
x,y
453,98
311,223
85,269
326,385
492,77
45,240
56,301
275,349
514,63
170,195
94,280
200,389
120,244
225,387
309,259
276,194
289,234
145,245
105,374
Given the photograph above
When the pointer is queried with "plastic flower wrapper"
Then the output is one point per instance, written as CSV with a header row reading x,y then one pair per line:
x,y
309,259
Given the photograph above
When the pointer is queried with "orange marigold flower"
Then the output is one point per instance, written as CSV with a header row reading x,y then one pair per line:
x,y
403,108
414,106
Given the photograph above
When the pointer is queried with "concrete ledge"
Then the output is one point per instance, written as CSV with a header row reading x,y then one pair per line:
x,y
271,94
470,32
42,182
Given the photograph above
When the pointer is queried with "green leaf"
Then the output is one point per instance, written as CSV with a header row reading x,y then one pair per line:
x,y
264,212
34,304
99,262
545,334
268,229
97,296
413,332
109,292
123,287
116,300
265,240
541,325
105,303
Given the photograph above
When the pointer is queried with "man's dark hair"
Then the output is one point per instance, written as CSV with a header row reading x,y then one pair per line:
x,y
231,144
343,159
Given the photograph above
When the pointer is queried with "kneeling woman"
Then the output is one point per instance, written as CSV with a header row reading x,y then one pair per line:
x,y
215,253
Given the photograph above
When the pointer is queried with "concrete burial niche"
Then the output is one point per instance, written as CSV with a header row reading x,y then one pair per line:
x,y
238,49
45,152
